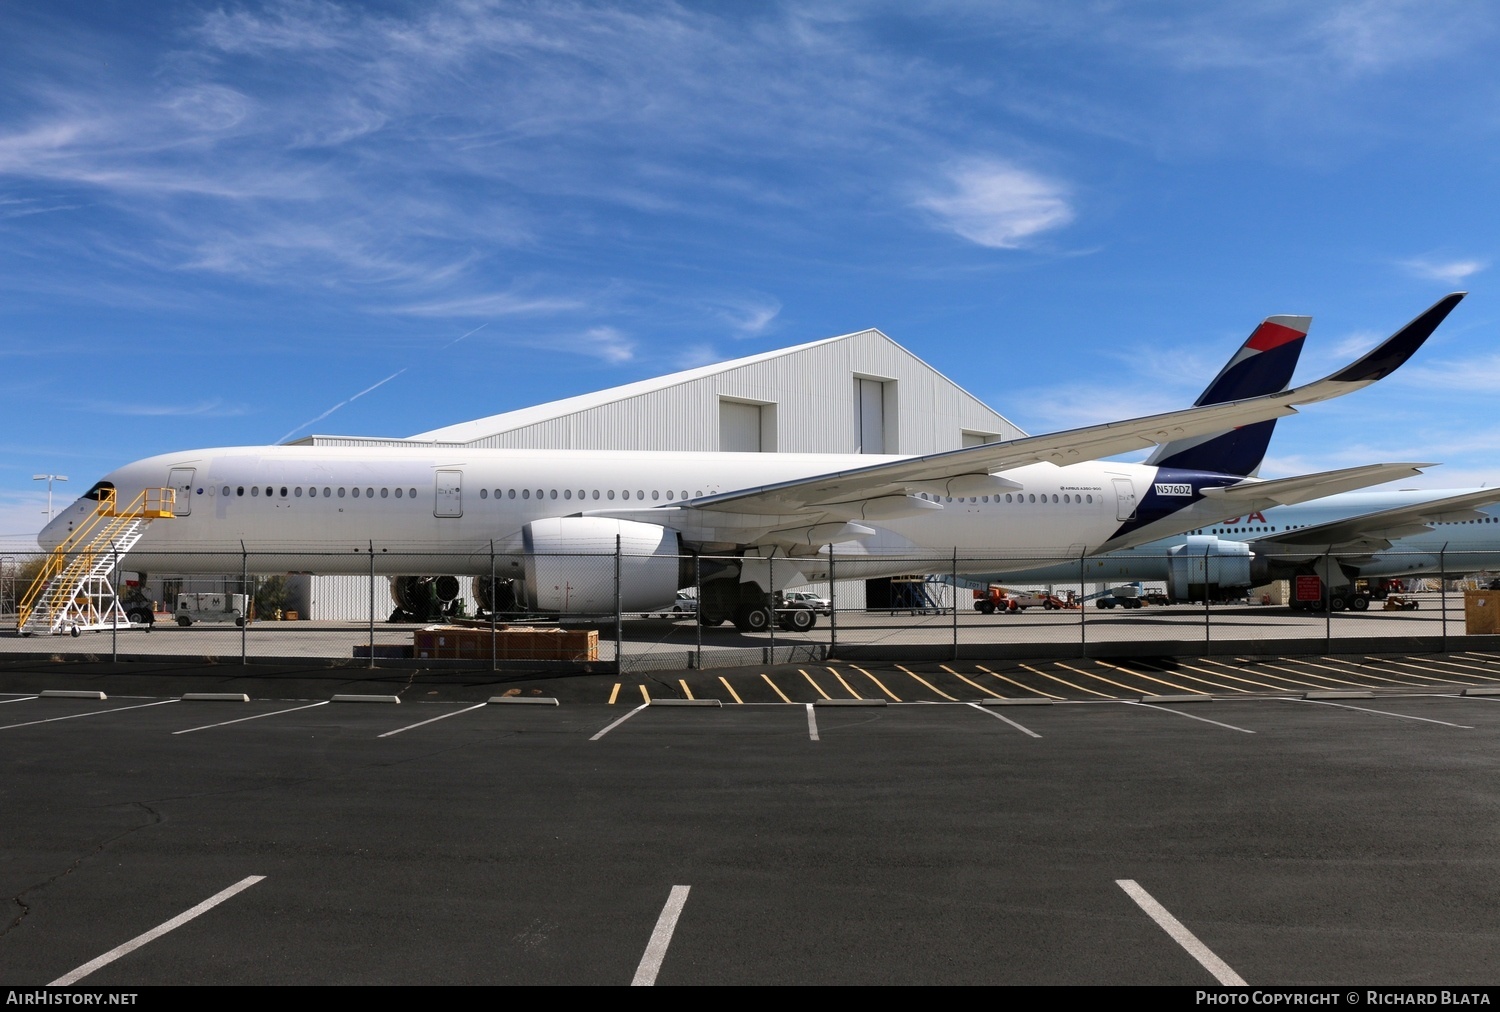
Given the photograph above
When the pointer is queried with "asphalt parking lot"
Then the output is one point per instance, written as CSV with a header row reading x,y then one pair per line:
x,y
869,830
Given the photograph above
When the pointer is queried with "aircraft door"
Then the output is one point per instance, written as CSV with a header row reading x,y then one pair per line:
x,y
181,480
448,494
1124,499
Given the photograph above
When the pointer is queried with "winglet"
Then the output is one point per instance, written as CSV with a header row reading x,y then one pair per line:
x,y
1400,346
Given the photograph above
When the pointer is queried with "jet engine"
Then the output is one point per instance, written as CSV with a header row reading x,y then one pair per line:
x,y
570,566
423,598
1212,565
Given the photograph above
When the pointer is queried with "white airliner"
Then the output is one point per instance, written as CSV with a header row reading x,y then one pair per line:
x,y
554,521
1340,539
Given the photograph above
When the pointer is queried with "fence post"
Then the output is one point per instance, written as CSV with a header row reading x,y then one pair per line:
x,y
1207,614
833,606
1327,604
372,604
1443,594
954,588
493,651
1083,633
619,618
771,598
114,611
249,603
698,610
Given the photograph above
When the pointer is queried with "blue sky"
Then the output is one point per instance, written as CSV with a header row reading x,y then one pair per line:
x,y
227,224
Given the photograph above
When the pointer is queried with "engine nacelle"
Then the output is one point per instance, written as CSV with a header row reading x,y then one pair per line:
x,y
570,566
423,598
1207,560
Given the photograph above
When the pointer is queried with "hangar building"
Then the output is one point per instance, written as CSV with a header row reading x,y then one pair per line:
x,y
858,393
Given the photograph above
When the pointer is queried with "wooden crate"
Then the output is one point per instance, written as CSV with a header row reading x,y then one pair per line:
x,y
1481,611
510,643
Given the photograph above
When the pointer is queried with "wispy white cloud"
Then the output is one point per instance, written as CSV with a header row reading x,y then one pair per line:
x,y
1450,272
605,343
214,408
996,204
749,315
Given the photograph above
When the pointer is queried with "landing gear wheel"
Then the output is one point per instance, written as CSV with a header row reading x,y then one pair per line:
x,y
800,620
752,618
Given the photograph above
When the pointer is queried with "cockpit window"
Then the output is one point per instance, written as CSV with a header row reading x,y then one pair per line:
x,y
98,491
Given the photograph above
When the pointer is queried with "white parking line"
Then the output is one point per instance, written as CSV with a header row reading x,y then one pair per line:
x,y
431,720
656,949
812,724
1383,713
91,713
20,699
241,720
989,711
1181,935
1190,716
622,720
155,933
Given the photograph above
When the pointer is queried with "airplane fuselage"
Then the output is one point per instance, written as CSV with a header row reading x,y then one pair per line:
x,y
400,510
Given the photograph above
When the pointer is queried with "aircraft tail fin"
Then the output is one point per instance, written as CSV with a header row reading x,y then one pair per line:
x,y
1263,365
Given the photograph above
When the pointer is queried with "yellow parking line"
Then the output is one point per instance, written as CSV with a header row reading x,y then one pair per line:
x,y
1364,674
1237,678
614,694
730,688
1142,674
685,690
1019,685
1441,677
971,681
1488,674
775,689
1279,678
1063,681
847,687
814,684
1106,681
872,678
1314,674
919,678
645,696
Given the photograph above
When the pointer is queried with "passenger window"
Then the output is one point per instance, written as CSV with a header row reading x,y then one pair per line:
x,y
298,491
385,493
341,491
356,493
552,494
596,493
525,493
567,493
609,494
327,491
255,490
655,495
240,491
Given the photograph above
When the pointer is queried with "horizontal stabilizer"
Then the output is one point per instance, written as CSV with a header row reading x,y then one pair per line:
x,y
1302,487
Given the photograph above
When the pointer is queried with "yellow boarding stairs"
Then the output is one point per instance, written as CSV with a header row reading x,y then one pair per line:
x,y
72,593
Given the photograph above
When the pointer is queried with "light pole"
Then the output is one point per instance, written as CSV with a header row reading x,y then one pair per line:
x,y
49,479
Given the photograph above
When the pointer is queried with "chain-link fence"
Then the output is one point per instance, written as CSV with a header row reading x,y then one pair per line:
x,y
619,611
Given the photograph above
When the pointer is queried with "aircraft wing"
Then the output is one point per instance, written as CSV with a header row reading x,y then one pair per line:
x,y
1375,531
880,491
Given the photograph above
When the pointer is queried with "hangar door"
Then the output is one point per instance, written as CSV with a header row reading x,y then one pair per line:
x,y
448,500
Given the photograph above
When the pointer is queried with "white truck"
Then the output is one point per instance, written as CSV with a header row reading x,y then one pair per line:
x,y
212,608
